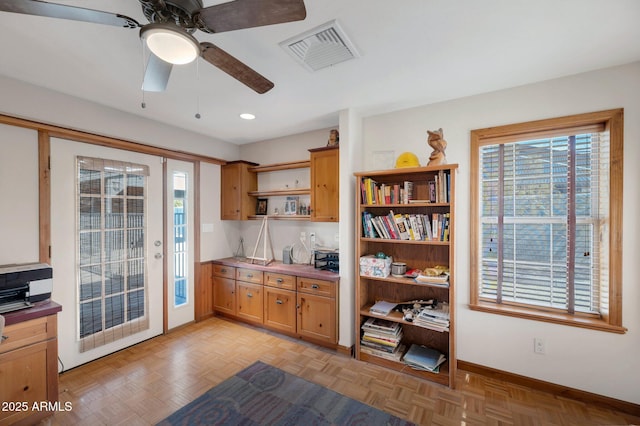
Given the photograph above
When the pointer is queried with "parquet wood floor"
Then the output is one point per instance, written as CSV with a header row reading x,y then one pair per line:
x,y
143,384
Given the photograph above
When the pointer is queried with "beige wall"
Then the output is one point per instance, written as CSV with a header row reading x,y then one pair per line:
x,y
18,195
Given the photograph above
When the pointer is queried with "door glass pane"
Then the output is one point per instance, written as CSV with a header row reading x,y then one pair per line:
x,y
180,241
111,250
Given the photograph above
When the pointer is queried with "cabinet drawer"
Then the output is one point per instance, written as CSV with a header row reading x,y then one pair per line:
x,y
28,332
287,282
318,287
224,271
249,275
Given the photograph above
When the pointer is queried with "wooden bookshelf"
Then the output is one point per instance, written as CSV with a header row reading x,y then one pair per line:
x,y
416,253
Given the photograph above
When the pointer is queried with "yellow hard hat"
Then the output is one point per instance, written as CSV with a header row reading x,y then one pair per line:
x,y
407,159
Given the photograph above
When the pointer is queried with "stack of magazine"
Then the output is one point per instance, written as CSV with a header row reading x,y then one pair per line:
x,y
424,358
381,337
434,317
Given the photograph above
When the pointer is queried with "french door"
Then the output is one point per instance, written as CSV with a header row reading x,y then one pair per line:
x,y
109,278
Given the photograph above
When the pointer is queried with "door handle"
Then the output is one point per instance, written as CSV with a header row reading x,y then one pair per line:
x,y
158,255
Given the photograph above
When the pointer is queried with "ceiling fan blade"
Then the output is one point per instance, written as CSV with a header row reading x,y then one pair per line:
x,y
156,74
54,10
236,69
241,14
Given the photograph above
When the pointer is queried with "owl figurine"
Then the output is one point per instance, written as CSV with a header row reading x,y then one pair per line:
x,y
436,141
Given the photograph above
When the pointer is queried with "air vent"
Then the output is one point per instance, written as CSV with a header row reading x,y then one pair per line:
x,y
321,47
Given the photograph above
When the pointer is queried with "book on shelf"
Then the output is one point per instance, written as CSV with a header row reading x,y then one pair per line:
x,y
415,227
383,341
375,193
432,190
386,335
441,280
382,307
380,227
378,347
407,195
403,227
381,324
395,355
424,358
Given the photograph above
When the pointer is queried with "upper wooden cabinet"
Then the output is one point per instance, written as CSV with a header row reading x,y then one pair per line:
x,y
239,187
236,183
325,184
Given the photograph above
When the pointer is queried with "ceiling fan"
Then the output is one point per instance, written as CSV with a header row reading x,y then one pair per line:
x,y
171,25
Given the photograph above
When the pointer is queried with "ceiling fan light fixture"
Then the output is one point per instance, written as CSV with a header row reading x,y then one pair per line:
x,y
170,43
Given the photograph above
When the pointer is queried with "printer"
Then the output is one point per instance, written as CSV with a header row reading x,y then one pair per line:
x,y
21,285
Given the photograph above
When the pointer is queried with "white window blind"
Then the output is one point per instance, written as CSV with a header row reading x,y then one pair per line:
x,y
111,264
544,220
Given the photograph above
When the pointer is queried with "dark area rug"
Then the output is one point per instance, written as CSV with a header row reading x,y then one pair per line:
x,y
265,395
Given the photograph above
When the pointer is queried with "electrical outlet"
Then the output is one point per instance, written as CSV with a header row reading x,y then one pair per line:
x,y
312,239
303,236
538,345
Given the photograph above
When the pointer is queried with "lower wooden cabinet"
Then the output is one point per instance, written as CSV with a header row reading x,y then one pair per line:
x,y
317,314
29,370
249,299
280,309
224,295
280,302
295,305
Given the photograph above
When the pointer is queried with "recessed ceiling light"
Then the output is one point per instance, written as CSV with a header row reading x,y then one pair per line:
x,y
247,116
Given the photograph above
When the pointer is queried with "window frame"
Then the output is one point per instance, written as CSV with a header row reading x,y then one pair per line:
x,y
613,122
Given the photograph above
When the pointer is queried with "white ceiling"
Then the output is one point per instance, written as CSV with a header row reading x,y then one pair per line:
x,y
413,52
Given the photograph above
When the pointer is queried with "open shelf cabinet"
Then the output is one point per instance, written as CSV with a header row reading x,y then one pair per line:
x,y
419,254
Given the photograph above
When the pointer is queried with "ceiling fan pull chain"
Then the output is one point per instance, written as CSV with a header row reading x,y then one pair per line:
x,y
143,104
197,91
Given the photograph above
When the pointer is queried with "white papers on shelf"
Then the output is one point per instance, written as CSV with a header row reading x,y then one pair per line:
x,y
382,307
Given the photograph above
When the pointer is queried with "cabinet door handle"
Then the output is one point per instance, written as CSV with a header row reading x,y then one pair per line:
x,y
249,295
223,270
249,275
279,280
278,302
315,286
4,338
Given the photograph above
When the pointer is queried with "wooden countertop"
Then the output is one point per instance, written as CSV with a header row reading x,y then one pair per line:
x,y
39,309
277,266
